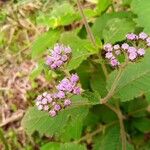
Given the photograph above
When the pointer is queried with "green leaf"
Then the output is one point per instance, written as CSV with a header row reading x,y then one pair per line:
x,y
110,140
43,42
101,21
81,49
141,8
61,15
134,80
35,120
103,5
65,146
116,29
142,124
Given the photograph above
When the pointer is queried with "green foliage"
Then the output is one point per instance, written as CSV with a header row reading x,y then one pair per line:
x,y
35,120
62,14
134,80
110,140
43,42
65,146
82,49
141,8
116,29
101,22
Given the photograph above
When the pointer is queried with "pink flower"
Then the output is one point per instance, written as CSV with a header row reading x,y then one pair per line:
x,y
52,113
132,55
114,62
108,55
117,46
143,36
141,51
125,46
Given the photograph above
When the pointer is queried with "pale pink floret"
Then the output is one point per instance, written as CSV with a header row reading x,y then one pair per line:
x,y
114,62
131,36
46,107
141,51
52,113
132,55
108,47
132,49
125,46
117,46
143,36
118,52
108,55
40,107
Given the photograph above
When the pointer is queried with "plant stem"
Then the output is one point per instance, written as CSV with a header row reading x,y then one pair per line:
x,y
100,129
122,128
91,36
114,85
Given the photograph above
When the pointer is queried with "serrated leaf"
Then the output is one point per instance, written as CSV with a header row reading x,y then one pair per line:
x,y
110,140
101,21
116,29
142,124
43,42
134,80
81,49
141,8
65,146
35,120
103,5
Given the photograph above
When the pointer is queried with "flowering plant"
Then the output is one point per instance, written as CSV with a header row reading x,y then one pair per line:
x,y
99,95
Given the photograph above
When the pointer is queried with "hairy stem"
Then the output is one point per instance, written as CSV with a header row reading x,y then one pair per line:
x,y
91,36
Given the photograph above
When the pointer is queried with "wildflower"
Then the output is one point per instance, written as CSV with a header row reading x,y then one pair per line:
x,y
59,55
143,36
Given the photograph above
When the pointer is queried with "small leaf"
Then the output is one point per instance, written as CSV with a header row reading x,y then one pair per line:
x,y
43,42
101,21
142,124
116,29
141,8
65,146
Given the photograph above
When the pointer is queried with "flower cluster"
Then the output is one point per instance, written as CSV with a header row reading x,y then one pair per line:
x,y
132,48
53,103
59,55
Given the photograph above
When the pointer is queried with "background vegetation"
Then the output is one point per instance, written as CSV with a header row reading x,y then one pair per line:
x,y
27,29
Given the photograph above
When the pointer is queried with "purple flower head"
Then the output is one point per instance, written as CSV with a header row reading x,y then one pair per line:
x,y
46,108
132,49
44,101
125,46
74,78
67,50
59,55
148,40
131,36
57,107
141,51
64,58
52,113
108,47
40,107
108,55
114,62
77,90
143,36
132,56
117,46
67,102
117,52
39,97
61,94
